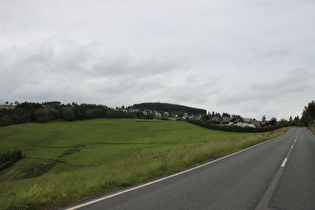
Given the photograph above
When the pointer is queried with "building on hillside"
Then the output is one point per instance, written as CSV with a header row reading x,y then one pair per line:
x,y
254,122
226,120
157,114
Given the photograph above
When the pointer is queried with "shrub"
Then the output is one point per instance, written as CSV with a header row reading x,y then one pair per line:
x,y
42,115
7,159
67,113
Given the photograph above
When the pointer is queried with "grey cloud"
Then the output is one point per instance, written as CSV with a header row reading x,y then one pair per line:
x,y
231,56
293,82
288,92
51,67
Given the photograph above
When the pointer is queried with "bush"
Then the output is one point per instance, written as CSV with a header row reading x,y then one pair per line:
x,y
6,120
67,113
7,159
42,115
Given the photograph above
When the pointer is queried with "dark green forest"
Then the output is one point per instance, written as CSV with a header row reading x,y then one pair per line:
x,y
308,114
171,108
44,112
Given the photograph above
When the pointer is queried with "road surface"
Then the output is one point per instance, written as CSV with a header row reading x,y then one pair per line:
x,y
278,174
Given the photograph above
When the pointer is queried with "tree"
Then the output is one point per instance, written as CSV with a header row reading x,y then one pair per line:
x,y
273,121
296,119
283,123
226,115
290,119
308,114
90,114
53,114
42,115
67,113
6,120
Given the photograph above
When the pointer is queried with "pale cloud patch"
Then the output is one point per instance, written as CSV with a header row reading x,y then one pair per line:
x,y
55,69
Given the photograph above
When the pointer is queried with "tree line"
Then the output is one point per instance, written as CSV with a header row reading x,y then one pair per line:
x,y
44,112
234,128
171,108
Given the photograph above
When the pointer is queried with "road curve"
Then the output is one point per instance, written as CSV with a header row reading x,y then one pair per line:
x,y
278,174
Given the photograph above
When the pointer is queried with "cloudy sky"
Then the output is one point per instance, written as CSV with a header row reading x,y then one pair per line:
x,y
246,57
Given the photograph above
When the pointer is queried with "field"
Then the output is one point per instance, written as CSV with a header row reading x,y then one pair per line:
x,y
7,107
68,161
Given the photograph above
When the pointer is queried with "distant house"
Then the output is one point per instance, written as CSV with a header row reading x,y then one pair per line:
x,y
158,114
198,117
246,120
227,120
265,123
216,120
185,116
254,122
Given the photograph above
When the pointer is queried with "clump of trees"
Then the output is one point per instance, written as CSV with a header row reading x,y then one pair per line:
x,y
171,108
308,114
7,159
44,112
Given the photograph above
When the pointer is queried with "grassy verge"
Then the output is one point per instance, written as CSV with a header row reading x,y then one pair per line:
x,y
133,151
7,107
311,127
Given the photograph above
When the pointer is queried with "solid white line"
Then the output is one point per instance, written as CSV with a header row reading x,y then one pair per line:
x,y
284,162
165,178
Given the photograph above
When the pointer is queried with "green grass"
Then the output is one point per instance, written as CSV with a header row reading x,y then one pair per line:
x,y
7,107
103,155
311,127
109,140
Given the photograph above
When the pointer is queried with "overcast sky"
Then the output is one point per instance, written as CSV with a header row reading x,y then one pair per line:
x,y
246,57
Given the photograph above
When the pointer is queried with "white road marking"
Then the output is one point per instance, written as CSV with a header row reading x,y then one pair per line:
x,y
284,162
265,200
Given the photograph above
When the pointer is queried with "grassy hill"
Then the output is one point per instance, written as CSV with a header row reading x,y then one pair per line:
x,y
66,161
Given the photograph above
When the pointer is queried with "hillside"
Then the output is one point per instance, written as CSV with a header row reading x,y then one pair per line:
x,y
171,108
104,154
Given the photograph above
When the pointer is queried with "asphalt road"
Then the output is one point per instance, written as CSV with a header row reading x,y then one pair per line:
x,y
278,174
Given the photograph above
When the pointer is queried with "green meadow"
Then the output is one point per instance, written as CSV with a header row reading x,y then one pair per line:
x,y
69,161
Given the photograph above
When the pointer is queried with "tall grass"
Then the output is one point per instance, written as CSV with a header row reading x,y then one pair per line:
x,y
55,189
311,127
